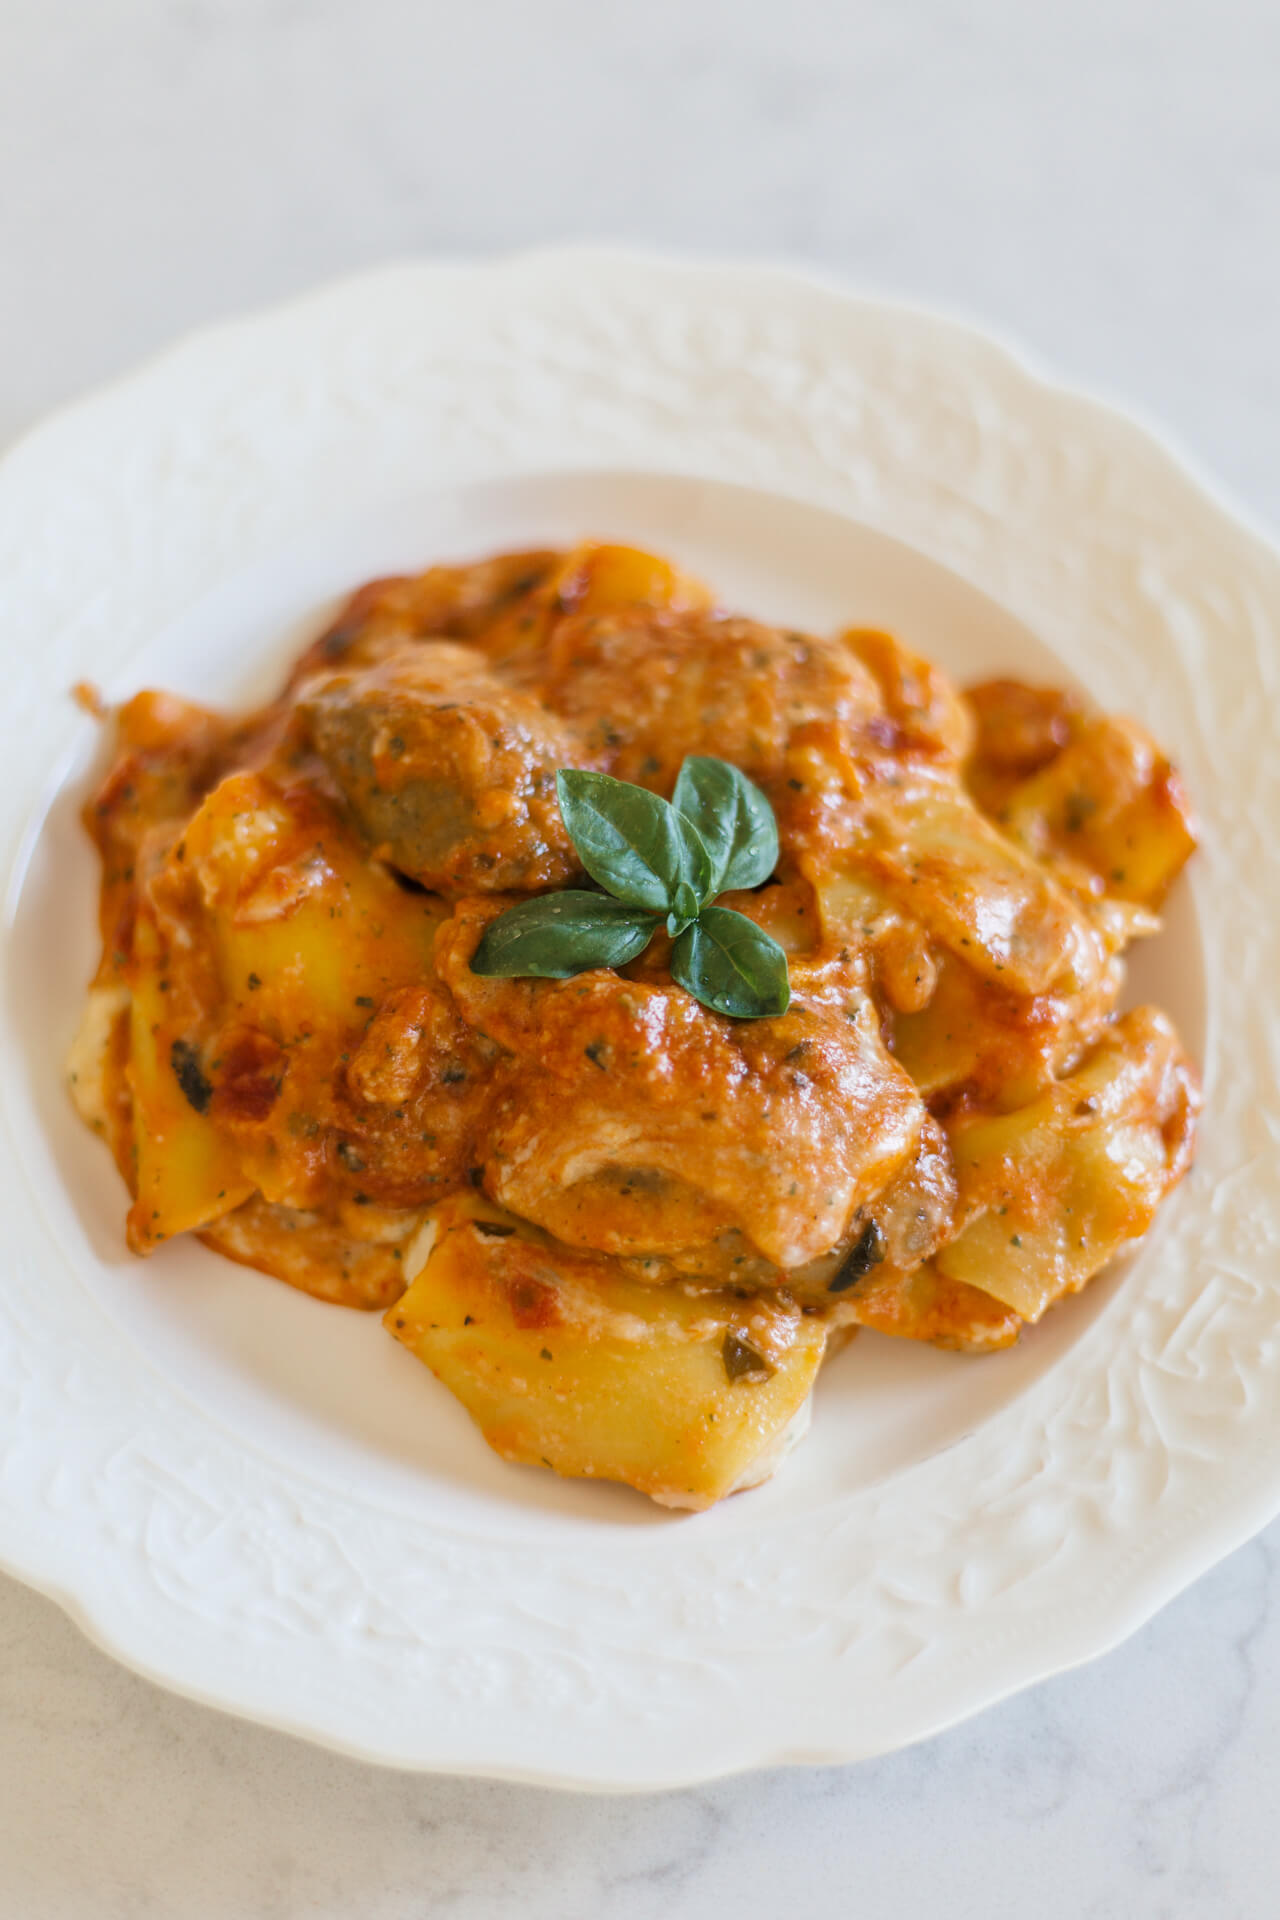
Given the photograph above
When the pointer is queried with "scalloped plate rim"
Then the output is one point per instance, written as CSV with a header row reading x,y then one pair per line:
x,y
1231,1526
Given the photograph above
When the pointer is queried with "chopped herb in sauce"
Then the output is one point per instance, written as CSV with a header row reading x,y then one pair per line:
x,y
867,1251
190,1075
742,1361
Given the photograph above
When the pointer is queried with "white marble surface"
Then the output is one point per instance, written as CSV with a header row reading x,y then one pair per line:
x,y
1101,181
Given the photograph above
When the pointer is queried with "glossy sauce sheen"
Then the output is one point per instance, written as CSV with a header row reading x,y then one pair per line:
x,y
949,1128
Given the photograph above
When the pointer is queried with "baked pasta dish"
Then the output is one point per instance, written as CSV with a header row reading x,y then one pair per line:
x,y
630,1001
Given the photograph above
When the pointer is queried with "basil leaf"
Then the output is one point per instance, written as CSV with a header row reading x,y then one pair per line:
x,y
696,869
559,934
732,965
732,818
628,839
684,909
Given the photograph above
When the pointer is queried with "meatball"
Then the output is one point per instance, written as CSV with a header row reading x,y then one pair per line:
x,y
450,772
650,688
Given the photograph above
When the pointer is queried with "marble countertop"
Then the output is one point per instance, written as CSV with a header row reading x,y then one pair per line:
x,y
1099,182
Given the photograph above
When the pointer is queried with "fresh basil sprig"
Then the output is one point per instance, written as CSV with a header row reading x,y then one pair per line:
x,y
732,819
731,964
631,841
547,937
657,860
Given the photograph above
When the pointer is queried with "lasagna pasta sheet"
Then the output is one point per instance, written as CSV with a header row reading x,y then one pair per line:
x,y
648,1222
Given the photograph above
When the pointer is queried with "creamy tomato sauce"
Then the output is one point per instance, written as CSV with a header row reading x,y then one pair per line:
x,y
949,1128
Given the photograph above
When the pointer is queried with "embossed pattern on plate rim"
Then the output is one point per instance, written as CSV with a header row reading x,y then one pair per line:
x,y
1059,1525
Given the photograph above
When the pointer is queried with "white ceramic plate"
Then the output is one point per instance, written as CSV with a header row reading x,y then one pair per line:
x,y
263,1501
